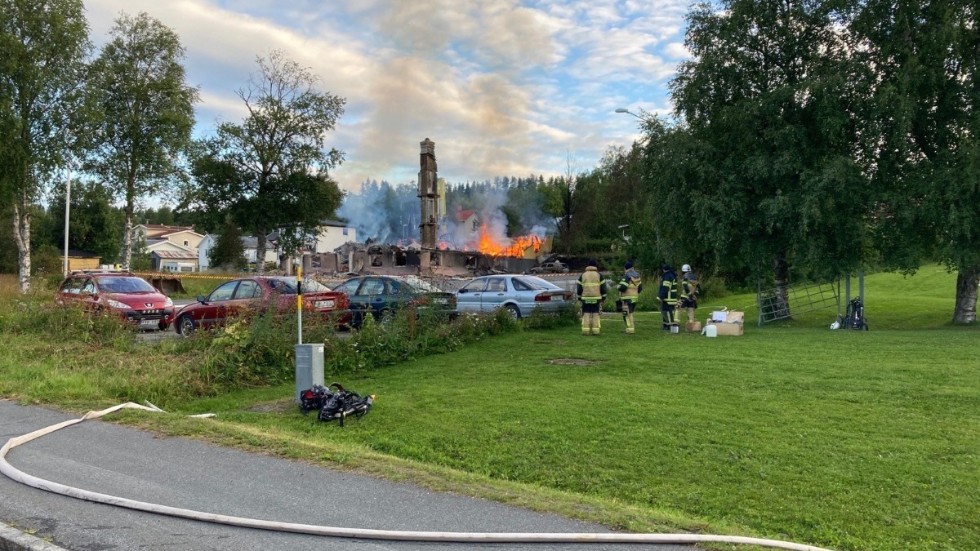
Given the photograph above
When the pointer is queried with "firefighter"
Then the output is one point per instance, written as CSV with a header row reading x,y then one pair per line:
x,y
592,290
689,291
629,293
667,295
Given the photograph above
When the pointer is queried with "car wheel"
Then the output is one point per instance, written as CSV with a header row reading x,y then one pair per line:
x,y
514,311
185,326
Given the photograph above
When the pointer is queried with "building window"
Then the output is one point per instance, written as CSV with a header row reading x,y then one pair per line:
x,y
187,243
345,231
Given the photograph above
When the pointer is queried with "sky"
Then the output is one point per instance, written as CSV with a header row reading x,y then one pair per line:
x,y
503,87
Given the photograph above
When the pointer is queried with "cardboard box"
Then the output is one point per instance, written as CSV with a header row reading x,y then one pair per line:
x,y
729,323
735,317
730,329
727,316
693,326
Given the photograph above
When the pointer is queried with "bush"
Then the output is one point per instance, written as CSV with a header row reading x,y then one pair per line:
x,y
258,349
35,315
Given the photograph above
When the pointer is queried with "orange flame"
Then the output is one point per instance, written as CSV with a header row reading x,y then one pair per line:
x,y
518,246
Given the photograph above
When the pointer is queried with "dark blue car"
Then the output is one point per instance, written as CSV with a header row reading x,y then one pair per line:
x,y
383,296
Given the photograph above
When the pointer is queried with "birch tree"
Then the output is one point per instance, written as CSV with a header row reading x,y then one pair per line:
x,y
43,48
146,113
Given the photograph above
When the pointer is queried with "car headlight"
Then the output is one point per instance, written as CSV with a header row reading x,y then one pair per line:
x,y
168,303
116,304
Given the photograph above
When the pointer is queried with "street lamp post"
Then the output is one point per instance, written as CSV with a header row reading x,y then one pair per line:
x,y
67,212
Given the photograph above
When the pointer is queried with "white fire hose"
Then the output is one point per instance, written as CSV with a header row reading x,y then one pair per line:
x,y
398,535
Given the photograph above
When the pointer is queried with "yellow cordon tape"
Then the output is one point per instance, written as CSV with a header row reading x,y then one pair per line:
x,y
396,535
183,275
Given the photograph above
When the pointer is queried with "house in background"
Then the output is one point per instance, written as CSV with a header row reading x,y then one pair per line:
x,y
83,260
184,236
171,257
461,229
171,248
331,235
249,246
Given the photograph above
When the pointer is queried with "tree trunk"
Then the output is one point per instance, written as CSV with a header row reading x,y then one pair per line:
x,y
128,227
260,251
127,242
22,234
780,270
966,295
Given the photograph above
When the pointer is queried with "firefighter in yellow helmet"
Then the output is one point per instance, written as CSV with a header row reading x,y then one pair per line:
x,y
629,293
592,289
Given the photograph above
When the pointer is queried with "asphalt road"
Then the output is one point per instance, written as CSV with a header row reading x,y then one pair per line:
x,y
129,463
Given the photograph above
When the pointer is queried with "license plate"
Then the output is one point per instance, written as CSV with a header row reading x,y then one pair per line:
x,y
149,323
440,300
324,304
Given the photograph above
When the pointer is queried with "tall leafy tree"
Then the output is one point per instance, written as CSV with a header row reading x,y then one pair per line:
x,y
94,224
147,112
44,44
228,250
767,97
921,145
271,169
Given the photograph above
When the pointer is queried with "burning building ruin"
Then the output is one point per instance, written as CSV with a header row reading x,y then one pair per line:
x,y
458,243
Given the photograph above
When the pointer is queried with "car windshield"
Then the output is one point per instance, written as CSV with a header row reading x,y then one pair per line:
x,y
125,285
534,284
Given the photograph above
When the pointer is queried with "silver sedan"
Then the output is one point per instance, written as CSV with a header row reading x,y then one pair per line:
x,y
518,294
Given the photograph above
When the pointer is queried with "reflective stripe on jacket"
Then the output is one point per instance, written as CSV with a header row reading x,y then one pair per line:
x,y
629,286
590,285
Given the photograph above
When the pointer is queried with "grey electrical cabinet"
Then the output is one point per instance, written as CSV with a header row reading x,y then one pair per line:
x,y
309,367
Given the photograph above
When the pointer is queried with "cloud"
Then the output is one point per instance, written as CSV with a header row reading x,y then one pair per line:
x,y
504,87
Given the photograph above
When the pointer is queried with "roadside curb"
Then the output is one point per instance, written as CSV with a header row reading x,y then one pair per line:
x,y
12,539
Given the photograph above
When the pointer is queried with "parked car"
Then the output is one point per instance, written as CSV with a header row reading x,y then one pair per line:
x,y
555,267
518,294
237,297
382,296
126,294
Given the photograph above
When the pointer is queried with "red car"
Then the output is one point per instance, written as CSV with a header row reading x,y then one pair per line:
x,y
126,294
235,297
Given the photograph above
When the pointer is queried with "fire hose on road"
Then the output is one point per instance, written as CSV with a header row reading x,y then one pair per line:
x,y
397,535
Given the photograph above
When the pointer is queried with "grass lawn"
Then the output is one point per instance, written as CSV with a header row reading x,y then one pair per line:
x,y
843,439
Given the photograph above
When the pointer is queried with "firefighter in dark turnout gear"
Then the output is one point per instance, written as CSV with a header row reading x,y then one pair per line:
x,y
592,291
668,296
629,293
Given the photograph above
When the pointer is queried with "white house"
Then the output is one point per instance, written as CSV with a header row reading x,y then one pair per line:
x,y
166,256
332,234
249,247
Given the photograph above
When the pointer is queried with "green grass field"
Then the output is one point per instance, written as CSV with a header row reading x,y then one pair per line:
x,y
843,439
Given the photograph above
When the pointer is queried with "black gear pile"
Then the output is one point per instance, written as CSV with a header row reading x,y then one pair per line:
x,y
334,403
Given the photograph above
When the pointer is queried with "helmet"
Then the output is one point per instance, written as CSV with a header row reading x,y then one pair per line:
x,y
628,265
686,268
666,267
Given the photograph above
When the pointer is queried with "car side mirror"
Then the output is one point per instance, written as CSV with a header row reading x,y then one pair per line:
x,y
202,299
464,291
